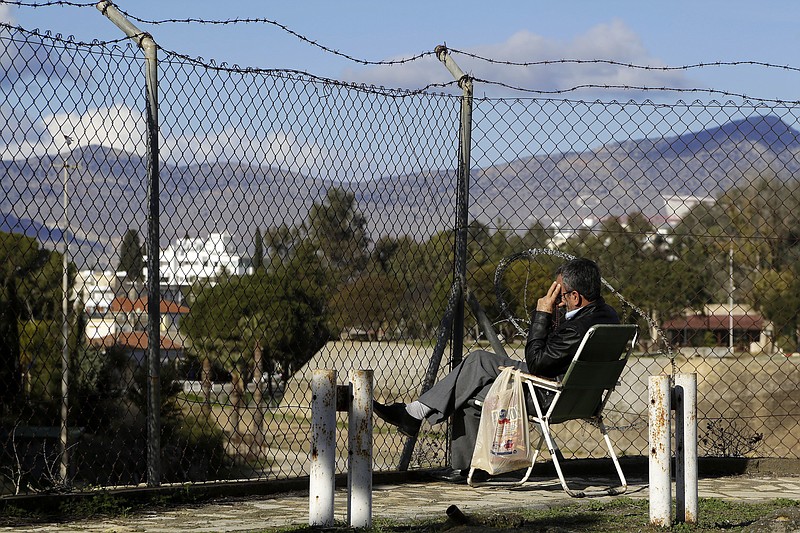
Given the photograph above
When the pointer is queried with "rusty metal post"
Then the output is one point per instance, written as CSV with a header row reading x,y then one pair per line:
x,y
659,417
145,41
359,472
686,504
462,192
323,448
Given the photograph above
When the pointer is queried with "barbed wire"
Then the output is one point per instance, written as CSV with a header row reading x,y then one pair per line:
x,y
643,88
544,62
372,89
283,27
247,20
665,68
398,92
211,65
47,4
58,37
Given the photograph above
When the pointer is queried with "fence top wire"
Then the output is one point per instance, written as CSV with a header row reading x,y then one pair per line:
x,y
396,62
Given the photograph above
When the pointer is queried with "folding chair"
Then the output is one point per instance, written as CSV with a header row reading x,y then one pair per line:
x,y
582,394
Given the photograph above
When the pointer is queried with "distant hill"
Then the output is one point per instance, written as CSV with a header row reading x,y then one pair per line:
x,y
109,191
50,237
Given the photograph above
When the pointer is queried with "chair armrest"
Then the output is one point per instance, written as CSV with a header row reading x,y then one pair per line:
x,y
538,381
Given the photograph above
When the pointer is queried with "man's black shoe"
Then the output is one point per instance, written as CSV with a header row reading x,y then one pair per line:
x,y
450,475
396,415
453,475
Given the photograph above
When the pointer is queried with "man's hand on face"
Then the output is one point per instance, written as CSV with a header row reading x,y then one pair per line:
x,y
549,301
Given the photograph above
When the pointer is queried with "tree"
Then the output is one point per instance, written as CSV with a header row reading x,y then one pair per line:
x,y
285,311
370,302
636,263
130,256
280,242
30,290
258,251
339,231
536,236
758,222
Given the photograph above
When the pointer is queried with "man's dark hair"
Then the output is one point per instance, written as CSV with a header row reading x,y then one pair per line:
x,y
582,275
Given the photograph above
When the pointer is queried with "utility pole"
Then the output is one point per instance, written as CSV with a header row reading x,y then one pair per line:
x,y
731,287
64,470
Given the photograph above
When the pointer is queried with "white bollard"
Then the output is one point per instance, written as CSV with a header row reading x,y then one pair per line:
x,y
359,474
659,417
686,505
323,448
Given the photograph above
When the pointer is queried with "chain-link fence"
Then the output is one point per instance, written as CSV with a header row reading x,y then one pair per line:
x,y
306,223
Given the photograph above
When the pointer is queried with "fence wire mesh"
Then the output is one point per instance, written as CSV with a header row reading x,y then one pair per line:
x,y
307,224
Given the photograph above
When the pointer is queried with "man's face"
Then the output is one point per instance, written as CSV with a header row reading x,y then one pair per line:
x,y
570,299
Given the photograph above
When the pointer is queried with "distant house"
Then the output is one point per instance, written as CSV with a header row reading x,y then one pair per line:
x,y
712,327
96,289
124,322
131,315
188,260
678,206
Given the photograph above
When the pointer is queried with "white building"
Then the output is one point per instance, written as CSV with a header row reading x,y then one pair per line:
x,y
678,206
96,290
192,259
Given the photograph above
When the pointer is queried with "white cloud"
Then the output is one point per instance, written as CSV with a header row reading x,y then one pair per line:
x,y
118,127
279,149
609,41
5,14
123,128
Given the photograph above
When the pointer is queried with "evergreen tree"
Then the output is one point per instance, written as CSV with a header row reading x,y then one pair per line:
x,y
258,251
339,231
130,256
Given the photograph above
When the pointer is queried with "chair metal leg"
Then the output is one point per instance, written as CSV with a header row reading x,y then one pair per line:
x,y
609,491
623,482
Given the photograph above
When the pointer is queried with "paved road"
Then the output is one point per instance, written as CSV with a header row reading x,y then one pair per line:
x,y
399,502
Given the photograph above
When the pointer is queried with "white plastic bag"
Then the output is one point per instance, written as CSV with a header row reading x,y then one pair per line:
x,y
503,442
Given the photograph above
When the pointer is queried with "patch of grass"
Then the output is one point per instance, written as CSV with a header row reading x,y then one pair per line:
x,y
97,505
101,504
616,515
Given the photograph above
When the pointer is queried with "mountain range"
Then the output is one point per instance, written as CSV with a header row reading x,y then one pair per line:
x,y
107,189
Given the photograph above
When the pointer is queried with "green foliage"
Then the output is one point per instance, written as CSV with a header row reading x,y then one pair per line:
x,y
371,302
30,290
99,383
258,251
339,231
41,345
283,310
131,256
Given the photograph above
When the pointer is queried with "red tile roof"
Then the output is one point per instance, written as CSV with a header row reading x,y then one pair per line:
x,y
126,305
714,322
136,340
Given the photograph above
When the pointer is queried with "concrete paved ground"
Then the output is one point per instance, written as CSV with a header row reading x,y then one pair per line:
x,y
400,502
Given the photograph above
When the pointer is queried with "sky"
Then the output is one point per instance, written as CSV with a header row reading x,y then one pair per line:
x,y
653,34
673,33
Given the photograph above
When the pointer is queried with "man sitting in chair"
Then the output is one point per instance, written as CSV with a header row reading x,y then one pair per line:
x,y
548,352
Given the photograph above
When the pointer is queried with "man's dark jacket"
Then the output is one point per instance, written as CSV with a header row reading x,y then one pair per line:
x,y
549,352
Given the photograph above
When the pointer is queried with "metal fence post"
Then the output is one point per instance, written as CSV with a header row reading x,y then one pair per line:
x,y
359,431
462,192
64,436
323,448
659,417
147,44
686,505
